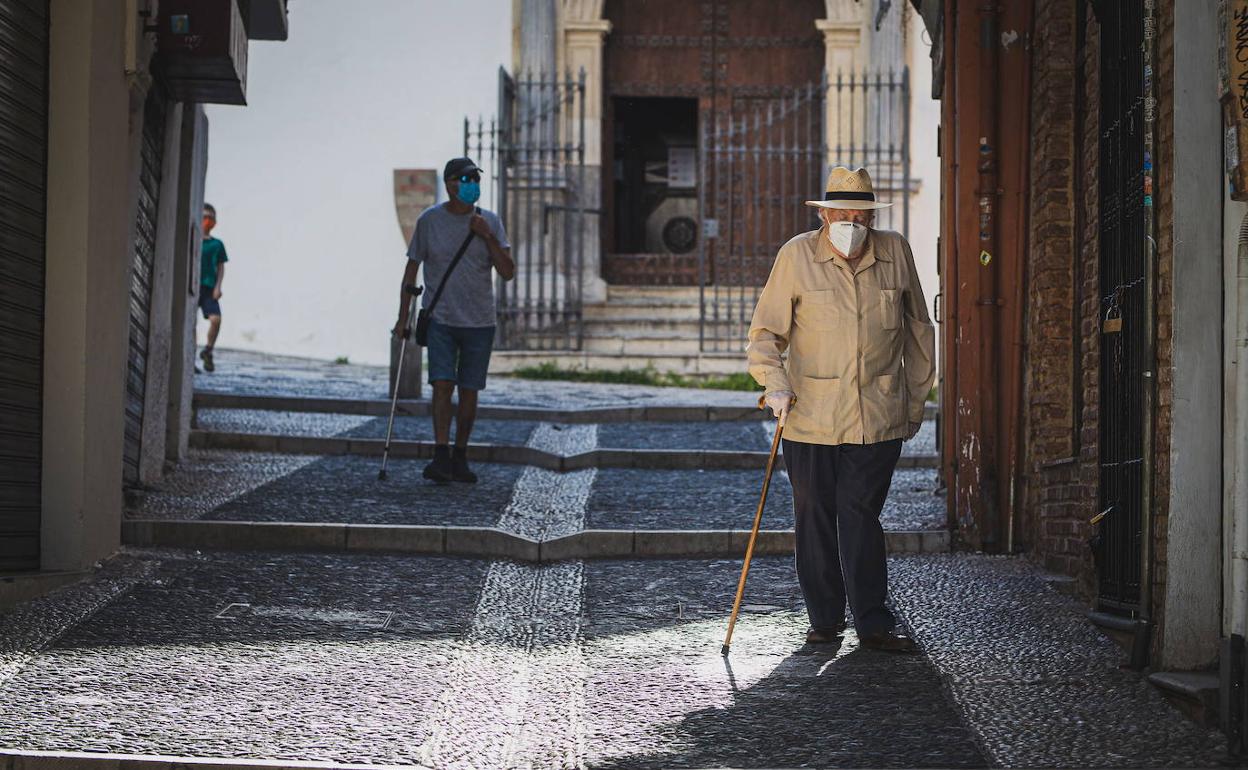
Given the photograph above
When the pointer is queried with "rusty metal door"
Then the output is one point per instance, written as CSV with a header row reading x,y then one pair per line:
x,y
765,155
1125,203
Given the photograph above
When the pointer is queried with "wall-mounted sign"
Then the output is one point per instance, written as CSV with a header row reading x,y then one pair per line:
x,y
682,167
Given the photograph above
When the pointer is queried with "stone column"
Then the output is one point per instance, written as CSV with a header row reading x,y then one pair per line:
x,y
845,36
193,163
95,124
584,36
886,56
161,331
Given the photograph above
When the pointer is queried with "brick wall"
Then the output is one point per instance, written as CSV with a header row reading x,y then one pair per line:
x,y
1060,438
1061,338
1164,171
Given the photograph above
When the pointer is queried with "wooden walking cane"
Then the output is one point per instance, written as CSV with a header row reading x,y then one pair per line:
x,y
758,519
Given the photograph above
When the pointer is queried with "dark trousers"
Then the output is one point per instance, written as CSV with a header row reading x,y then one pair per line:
x,y
838,494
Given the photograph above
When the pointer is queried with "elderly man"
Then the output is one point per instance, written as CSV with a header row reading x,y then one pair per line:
x,y
845,302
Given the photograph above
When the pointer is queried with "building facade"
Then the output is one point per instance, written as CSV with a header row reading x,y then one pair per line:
x,y
104,139
702,128
1091,325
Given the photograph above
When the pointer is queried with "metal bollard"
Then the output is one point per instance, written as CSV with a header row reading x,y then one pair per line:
x,y
410,384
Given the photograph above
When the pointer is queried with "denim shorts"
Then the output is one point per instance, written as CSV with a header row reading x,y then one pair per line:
x,y
207,304
460,354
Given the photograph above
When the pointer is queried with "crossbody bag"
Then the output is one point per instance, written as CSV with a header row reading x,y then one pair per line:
x,y
426,314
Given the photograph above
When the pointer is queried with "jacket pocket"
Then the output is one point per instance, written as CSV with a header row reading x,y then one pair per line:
x,y
890,308
819,309
816,398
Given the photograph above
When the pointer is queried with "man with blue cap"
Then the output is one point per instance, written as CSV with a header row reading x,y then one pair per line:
x,y
461,328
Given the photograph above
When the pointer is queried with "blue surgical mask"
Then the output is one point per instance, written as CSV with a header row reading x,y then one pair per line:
x,y
469,192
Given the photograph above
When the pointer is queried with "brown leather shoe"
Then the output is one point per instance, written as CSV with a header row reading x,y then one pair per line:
x,y
830,635
888,641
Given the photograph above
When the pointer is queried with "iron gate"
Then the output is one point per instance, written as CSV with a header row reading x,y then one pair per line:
x,y
533,152
1124,167
763,154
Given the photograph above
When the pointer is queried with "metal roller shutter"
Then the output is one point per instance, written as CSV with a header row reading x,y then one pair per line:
x,y
23,200
152,156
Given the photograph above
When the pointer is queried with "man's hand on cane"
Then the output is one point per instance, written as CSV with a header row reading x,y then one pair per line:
x,y
779,401
400,326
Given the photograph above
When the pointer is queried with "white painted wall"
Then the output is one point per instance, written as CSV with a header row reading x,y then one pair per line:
x,y
1193,615
302,178
924,164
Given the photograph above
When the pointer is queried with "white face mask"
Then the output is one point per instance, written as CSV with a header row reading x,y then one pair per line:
x,y
847,237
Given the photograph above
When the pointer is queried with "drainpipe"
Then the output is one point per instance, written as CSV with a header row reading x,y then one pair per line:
x,y
1239,543
1143,628
989,302
1231,675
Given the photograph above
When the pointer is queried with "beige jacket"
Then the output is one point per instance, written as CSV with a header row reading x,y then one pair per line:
x,y
861,346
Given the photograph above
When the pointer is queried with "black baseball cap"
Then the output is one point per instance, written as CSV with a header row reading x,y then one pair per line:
x,y
457,167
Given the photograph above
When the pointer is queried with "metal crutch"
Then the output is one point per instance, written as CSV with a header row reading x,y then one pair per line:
x,y
758,518
414,291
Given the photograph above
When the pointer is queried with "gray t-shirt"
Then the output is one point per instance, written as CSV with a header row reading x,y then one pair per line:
x,y
469,296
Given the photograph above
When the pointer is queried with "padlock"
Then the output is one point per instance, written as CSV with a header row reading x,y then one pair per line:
x,y
1113,321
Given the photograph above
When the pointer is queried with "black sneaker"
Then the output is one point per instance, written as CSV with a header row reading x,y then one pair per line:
x,y
440,469
460,470
206,356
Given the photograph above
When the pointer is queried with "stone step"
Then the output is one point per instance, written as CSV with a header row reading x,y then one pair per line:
x,y
688,295
605,457
643,310
1195,693
657,343
484,542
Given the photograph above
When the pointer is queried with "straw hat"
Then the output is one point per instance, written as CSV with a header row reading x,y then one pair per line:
x,y
849,190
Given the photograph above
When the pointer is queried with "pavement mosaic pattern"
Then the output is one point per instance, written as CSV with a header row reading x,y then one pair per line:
x,y
210,478
354,426
630,498
244,372
460,663
511,432
280,423
737,436
345,489
228,485
1039,684
305,671
456,663
658,697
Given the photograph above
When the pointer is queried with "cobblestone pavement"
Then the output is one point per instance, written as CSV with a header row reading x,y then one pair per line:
x,y
1039,685
642,499
344,489
463,663
227,485
744,435
354,426
263,374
